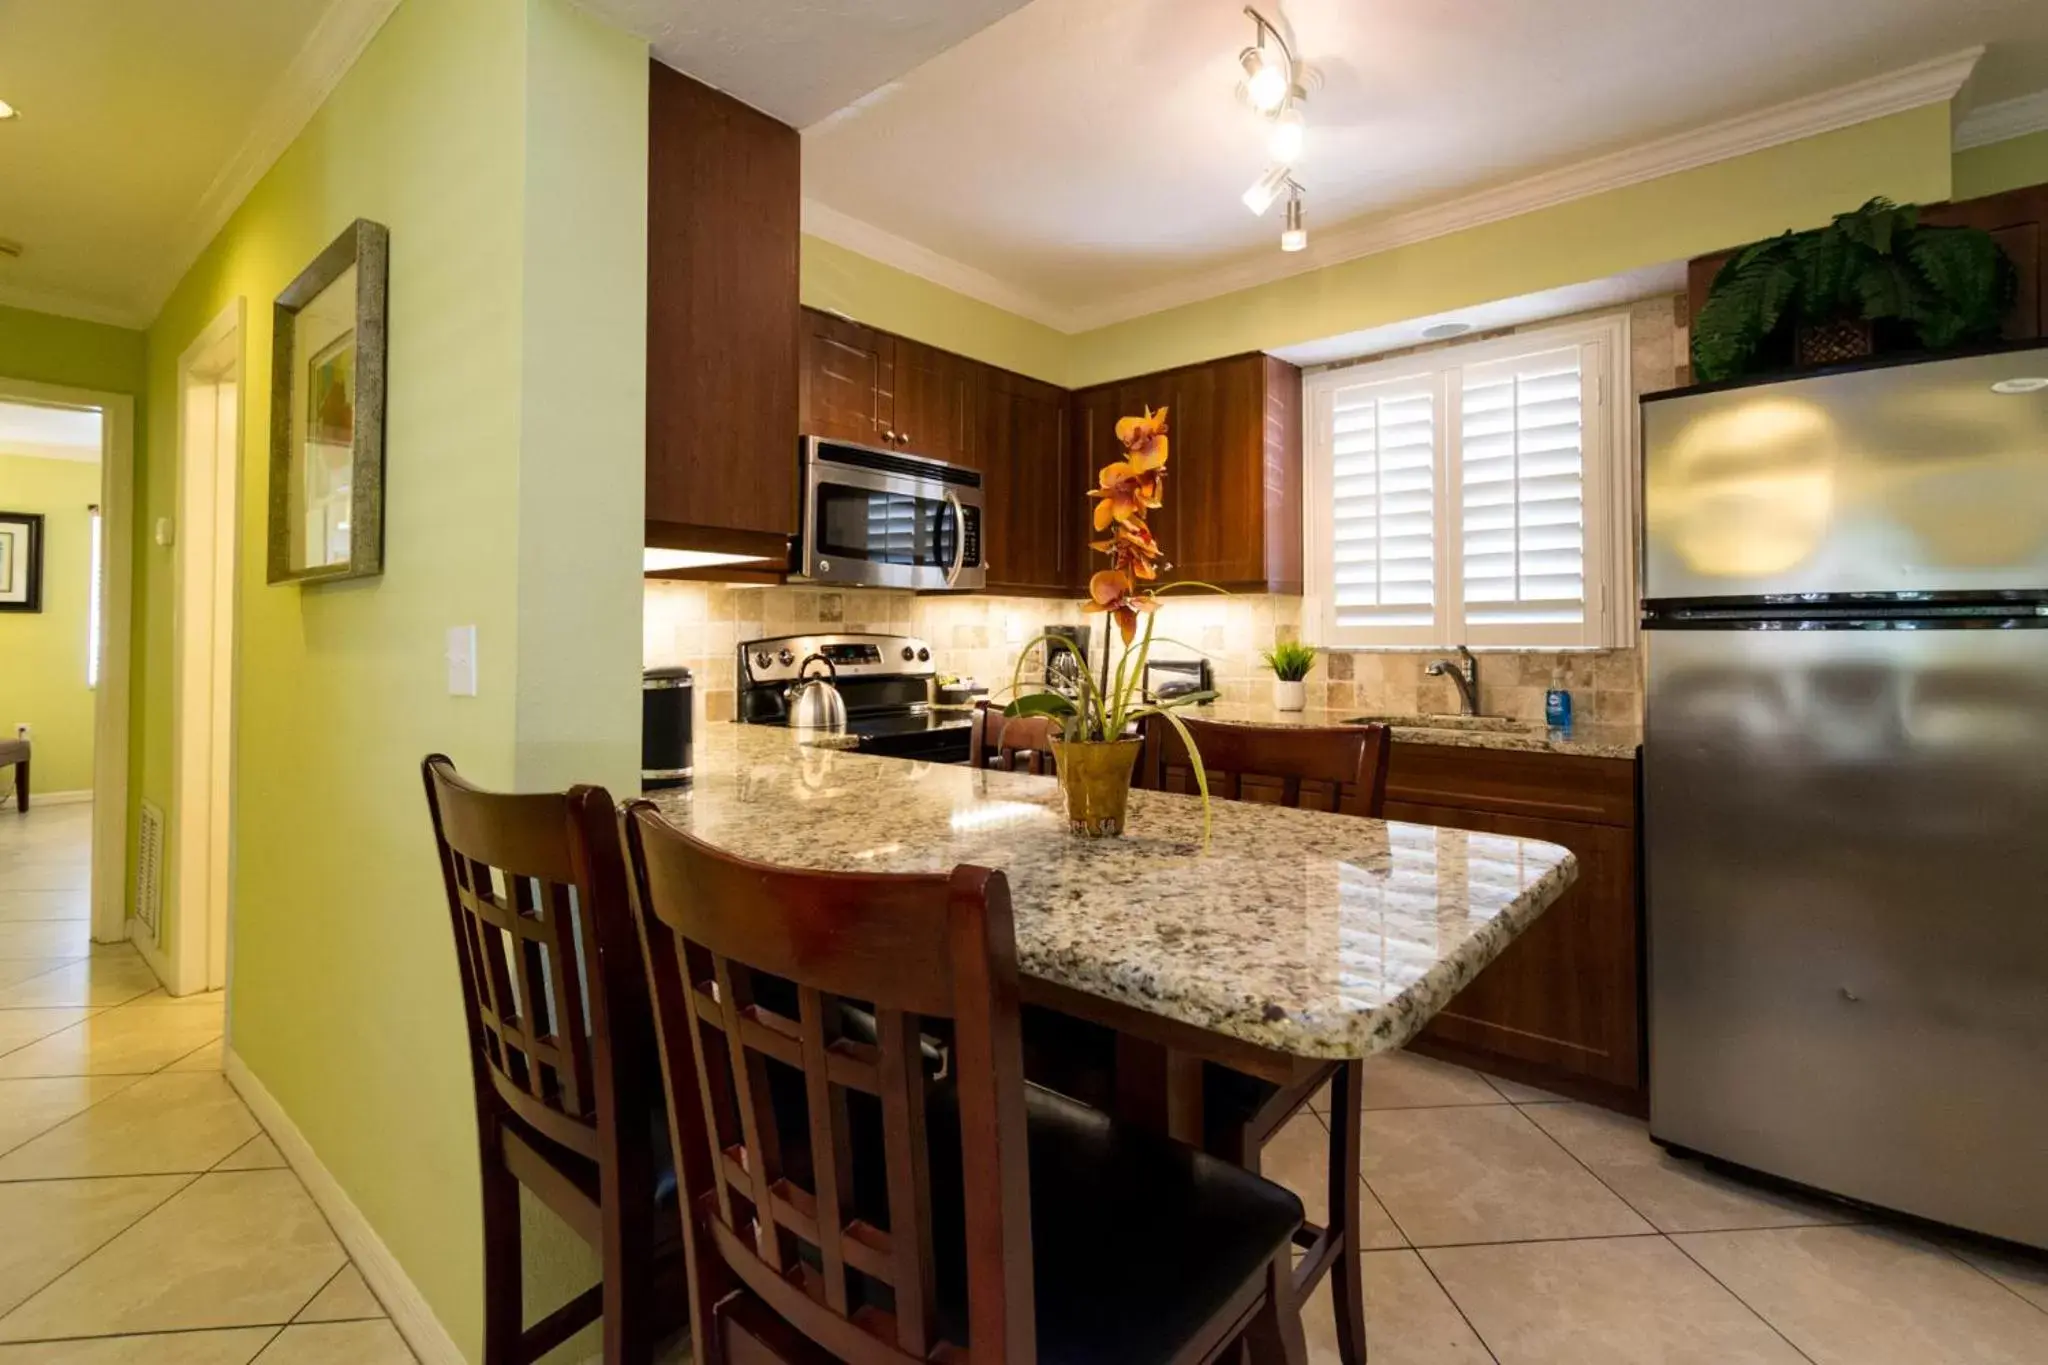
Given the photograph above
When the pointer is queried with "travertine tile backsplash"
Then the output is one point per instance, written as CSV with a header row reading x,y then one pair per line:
x,y
700,625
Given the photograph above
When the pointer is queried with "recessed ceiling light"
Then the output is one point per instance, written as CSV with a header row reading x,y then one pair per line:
x,y
8,111
1444,331
2026,385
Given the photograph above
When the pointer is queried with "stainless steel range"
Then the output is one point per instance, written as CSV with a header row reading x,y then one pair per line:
x,y
885,681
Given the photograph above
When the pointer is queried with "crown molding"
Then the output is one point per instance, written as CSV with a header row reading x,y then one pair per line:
x,y
72,306
322,60
2005,119
879,244
1913,87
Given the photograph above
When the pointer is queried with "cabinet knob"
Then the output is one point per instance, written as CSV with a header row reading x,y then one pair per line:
x,y
889,434
904,437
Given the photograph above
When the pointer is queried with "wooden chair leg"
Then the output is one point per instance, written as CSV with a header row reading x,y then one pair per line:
x,y
504,1305
1347,1283
1275,1336
21,785
629,1316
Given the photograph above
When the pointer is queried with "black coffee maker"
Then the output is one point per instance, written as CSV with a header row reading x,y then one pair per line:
x,y
667,718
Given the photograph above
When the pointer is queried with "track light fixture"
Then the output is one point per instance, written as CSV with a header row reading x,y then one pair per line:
x,y
1294,237
1266,189
1274,86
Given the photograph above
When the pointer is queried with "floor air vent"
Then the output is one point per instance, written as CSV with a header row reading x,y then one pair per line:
x,y
149,871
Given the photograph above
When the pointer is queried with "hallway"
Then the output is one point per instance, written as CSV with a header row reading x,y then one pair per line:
x,y
147,1218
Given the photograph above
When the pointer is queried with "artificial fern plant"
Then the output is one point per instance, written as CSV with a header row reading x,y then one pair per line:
x,y
1938,286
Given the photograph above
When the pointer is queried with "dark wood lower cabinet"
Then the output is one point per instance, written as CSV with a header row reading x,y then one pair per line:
x,y
1562,1008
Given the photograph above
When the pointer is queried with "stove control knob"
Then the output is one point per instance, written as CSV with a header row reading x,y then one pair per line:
x,y
924,656
786,658
908,654
824,566
763,659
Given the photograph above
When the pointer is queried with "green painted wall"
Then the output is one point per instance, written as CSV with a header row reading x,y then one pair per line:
x,y
83,355
43,654
1671,218
842,281
503,144
2010,165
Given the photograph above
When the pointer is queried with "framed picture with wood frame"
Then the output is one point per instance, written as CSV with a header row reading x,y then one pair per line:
x,y
327,413
21,561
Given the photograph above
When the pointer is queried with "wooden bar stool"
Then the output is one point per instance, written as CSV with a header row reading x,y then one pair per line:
x,y
905,1220
1020,744
1341,769
563,1055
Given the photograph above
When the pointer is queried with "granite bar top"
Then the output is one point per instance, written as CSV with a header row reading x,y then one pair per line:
x,y
1312,934
1585,740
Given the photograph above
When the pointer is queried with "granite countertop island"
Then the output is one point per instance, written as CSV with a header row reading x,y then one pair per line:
x,y
1586,740
1315,935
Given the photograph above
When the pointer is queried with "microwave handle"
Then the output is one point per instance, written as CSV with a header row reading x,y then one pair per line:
x,y
959,538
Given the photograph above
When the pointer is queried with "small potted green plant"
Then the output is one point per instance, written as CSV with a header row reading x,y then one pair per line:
x,y
1290,661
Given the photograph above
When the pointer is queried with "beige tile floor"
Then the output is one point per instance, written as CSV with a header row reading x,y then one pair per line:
x,y
147,1219
144,1217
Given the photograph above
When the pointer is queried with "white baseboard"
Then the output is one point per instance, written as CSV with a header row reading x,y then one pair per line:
x,y
387,1279
36,798
152,952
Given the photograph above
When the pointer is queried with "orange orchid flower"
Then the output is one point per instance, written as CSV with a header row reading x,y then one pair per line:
x,y
1132,486
1132,548
1112,591
1145,436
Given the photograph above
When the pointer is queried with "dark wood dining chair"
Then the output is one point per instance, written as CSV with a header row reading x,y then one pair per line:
x,y
563,1056
905,1219
1015,744
1340,769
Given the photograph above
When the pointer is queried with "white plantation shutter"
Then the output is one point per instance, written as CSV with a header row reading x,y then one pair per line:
x,y
1522,494
1479,494
1383,498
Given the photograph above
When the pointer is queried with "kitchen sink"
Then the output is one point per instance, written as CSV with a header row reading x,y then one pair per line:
x,y
1488,724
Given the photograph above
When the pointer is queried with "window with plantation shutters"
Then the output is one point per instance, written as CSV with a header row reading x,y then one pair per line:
x,y
1476,495
1383,504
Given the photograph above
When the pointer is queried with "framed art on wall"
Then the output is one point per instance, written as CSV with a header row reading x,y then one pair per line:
x,y
327,414
21,561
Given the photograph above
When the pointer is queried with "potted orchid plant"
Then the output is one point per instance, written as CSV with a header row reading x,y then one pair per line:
x,y
1097,745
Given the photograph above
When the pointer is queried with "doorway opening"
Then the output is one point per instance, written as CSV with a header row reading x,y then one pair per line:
x,y
204,538
67,480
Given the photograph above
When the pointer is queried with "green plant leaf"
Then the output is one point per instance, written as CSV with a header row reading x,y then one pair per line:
x,y
1968,279
1185,699
1749,296
1290,660
1194,758
1041,704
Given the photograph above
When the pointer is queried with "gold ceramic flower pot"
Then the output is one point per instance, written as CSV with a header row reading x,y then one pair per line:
x,y
1096,778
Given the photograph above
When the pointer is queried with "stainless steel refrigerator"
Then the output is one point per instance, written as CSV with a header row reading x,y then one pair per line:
x,y
1845,772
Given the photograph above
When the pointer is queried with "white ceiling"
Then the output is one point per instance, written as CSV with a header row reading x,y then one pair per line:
x,y
799,60
51,433
1088,156
142,125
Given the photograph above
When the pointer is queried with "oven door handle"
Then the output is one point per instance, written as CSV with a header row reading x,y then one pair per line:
x,y
959,538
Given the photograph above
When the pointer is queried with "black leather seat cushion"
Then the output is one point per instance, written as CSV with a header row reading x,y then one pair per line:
x,y
1136,1240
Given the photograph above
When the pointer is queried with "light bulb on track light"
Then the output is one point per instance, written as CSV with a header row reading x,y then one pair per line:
x,y
1261,195
1266,79
1285,141
1295,236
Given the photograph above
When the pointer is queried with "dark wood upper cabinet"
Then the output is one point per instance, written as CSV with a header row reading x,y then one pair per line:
x,y
937,396
1028,476
849,381
1233,491
724,192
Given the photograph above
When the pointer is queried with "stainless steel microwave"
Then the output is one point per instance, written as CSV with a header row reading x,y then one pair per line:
x,y
883,519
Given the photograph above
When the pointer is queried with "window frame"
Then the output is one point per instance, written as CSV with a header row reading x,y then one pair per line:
x,y
1611,499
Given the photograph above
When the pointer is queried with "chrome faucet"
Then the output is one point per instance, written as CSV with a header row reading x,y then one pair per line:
x,y
1464,673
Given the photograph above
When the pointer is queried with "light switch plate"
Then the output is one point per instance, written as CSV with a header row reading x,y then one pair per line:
x,y
462,661
166,532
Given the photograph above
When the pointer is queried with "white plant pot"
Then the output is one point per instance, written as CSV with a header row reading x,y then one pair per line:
x,y
1289,696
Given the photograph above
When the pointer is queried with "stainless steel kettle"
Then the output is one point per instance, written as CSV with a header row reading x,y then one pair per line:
x,y
814,702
